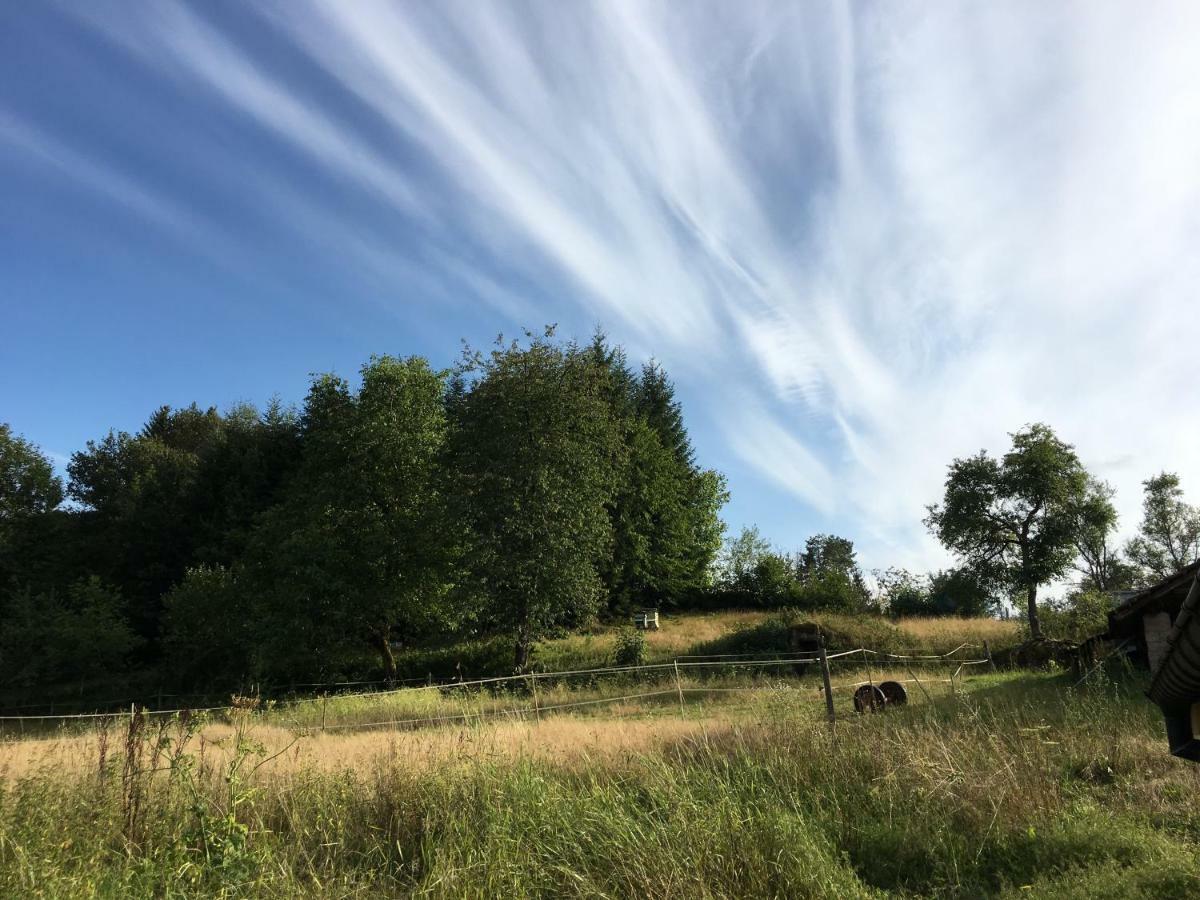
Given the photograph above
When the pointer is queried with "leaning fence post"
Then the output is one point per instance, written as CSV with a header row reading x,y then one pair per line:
x,y
679,689
825,678
988,651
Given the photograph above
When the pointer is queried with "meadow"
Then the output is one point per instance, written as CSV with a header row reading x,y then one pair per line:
x,y
1009,784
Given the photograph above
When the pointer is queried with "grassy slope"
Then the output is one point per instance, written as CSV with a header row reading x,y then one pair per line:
x,y
715,632
1022,787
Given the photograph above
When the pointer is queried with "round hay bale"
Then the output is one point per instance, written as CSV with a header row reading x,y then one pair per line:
x,y
894,692
869,698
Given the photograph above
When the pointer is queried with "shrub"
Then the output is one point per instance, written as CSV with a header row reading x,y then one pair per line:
x,y
631,647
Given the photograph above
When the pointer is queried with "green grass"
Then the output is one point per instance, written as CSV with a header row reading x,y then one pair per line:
x,y
682,634
1021,787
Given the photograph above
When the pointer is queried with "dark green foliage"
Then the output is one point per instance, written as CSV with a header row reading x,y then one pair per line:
x,y
527,491
1169,537
1078,616
184,491
1015,520
631,647
28,485
533,456
961,592
29,494
666,528
210,629
79,633
356,555
825,576
953,592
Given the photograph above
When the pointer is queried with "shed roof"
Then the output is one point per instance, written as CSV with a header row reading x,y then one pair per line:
x,y
1176,680
1168,593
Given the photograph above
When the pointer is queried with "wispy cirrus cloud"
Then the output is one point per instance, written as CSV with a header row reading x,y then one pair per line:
x,y
873,236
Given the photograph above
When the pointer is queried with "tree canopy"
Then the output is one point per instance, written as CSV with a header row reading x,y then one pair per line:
x,y
1169,537
1015,520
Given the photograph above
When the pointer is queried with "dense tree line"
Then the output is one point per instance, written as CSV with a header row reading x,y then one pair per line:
x,y
529,488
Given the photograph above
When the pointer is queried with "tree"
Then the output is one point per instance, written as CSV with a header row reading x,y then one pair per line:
x,y
740,557
1099,562
184,491
49,637
29,490
901,593
210,629
1077,616
1170,530
962,592
1015,520
534,455
665,510
829,571
355,556
28,485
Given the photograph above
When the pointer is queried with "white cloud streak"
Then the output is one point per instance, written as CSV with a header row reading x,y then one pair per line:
x,y
883,235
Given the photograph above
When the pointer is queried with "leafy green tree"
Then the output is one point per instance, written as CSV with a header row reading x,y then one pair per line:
x,y
210,629
962,592
1014,520
184,491
665,510
356,555
1077,616
535,451
901,593
29,493
1099,562
58,636
740,556
28,485
831,575
1169,537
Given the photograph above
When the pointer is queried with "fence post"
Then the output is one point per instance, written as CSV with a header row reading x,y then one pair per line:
x,y
988,650
825,678
324,701
537,710
679,690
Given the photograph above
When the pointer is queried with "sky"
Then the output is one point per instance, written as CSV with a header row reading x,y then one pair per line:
x,y
863,238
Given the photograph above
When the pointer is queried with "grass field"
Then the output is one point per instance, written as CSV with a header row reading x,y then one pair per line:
x,y
1014,785
714,632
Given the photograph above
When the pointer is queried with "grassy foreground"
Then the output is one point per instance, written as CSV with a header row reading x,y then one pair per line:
x,y
1020,786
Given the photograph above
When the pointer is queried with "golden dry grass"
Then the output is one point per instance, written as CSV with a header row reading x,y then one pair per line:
x,y
561,739
974,631
571,737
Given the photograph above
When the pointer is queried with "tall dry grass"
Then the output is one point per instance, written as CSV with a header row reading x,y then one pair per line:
x,y
1018,785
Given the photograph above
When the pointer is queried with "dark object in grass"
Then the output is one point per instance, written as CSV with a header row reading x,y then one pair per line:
x,y
894,692
869,698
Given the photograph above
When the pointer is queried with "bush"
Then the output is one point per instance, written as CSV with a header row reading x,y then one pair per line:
x,y
1075,618
631,647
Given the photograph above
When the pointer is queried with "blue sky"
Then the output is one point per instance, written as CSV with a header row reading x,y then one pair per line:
x,y
863,238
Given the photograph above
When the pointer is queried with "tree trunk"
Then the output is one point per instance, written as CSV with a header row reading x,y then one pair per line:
x,y
521,659
384,646
1035,627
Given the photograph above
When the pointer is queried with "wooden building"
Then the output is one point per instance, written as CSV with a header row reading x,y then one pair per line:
x,y
1164,623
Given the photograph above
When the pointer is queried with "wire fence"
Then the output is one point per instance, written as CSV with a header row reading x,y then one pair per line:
x,y
523,688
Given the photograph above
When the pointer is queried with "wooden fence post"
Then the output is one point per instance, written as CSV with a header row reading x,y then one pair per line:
x,y
988,650
825,678
679,690
324,701
537,710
